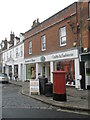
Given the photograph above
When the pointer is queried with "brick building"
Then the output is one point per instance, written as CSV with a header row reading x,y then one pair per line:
x,y
84,43
57,44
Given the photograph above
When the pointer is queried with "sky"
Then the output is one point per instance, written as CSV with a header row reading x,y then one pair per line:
x,y
18,15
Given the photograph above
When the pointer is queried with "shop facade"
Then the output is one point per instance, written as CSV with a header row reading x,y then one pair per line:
x,y
66,60
85,71
15,67
13,59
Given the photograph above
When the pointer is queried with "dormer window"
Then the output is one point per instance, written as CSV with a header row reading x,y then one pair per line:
x,y
17,40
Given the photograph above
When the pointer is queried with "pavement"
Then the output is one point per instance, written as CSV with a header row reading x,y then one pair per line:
x,y
77,100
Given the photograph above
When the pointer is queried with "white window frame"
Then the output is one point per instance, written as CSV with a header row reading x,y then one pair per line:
x,y
7,55
62,35
16,52
10,54
43,42
21,51
30,47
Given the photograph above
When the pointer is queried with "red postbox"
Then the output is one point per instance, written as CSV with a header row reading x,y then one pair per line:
x,y
59,86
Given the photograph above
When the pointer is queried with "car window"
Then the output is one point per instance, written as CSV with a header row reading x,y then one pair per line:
x,y
3,75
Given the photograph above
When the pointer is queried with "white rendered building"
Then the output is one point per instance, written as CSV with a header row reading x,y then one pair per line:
x,y
13,57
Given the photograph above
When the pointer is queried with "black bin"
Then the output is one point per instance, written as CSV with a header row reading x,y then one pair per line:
x,y
48,89
42,82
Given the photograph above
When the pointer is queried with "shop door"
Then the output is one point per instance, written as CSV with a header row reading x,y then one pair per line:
x,y
16,69
82,72
43,70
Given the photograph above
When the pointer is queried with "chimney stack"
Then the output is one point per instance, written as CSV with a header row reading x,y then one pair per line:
x,y
12,36
35,23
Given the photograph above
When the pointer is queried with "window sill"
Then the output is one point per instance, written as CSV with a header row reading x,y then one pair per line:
x,y
30,53
63,45
43,50
88,19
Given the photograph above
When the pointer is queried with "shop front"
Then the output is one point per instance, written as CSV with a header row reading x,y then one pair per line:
x,y
69,67
30,71
85,60
46,64
15,72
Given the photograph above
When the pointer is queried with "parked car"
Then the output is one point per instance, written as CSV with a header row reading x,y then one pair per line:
x,y
4,78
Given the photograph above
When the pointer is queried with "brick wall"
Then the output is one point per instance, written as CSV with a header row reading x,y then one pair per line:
x,y
84,23
50,28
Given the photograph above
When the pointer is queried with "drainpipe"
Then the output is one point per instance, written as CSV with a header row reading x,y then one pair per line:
x,y
76,26
80,31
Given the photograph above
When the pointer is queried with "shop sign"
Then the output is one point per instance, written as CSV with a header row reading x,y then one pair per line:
x,y
42,58
34,86
62,55
31,60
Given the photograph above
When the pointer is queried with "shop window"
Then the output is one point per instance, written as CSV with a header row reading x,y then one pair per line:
x,y
30,71
16,71
43,43
62,34
33,73
67,66
89,8
88,71
30,47
59,66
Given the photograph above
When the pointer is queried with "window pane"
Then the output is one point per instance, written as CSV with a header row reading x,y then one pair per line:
x,y
30,44
63,40
63,36
30,47
43,42
63,31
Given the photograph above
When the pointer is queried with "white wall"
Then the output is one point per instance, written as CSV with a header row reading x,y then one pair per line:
x,y
87,65
14,60
77,72
21,37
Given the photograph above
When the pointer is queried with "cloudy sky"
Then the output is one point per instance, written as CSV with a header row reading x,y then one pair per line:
x,y
18,15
